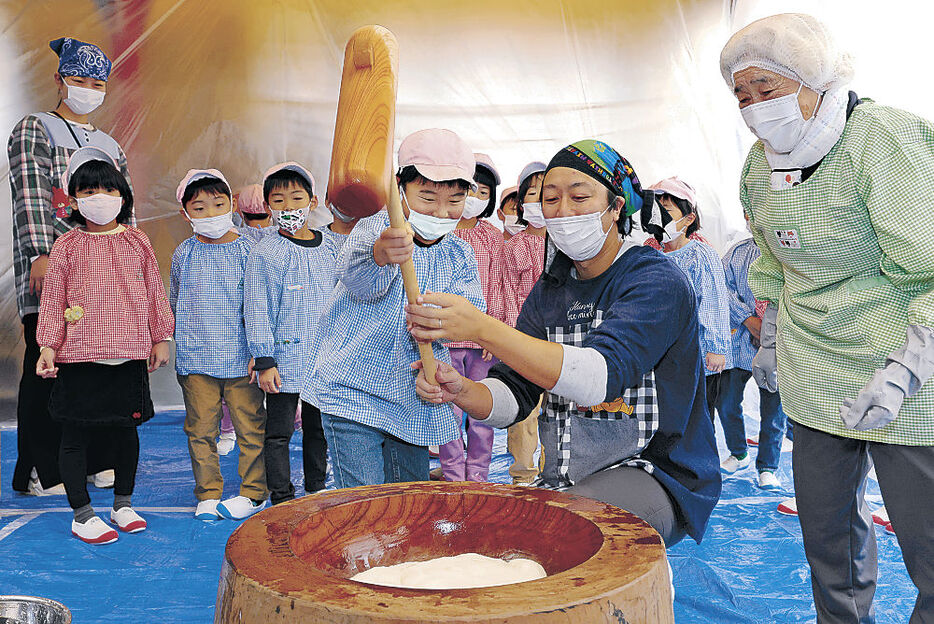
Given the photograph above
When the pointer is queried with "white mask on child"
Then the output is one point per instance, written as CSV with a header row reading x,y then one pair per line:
x,y
474,207
427,227
672,233
213,227
512,225
532,213
100,208
82,100
291,220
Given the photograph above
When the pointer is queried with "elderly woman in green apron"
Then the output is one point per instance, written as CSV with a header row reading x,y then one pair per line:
x,y
838,192
38,150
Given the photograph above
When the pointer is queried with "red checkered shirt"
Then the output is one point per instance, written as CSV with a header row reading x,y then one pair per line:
x,y
487,243
525,261
114,279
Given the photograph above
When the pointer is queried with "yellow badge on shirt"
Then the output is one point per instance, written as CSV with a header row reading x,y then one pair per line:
x,y
74,314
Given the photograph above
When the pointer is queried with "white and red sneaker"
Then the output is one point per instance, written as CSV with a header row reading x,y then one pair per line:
x,y
889,529
753,440
93,531
788,507
127,520
880,516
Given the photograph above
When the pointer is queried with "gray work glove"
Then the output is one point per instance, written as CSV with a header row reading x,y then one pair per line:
x,y
905,371
764,364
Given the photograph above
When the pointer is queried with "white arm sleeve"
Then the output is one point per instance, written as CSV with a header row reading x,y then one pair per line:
x,y
583,376
505,407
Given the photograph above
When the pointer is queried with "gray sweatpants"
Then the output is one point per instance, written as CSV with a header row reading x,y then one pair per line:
x,y
839,539
638,492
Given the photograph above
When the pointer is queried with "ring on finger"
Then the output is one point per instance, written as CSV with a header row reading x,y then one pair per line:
x,y
439,323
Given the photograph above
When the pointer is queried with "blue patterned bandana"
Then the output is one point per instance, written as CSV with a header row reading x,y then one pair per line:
x,y
606,166
77,58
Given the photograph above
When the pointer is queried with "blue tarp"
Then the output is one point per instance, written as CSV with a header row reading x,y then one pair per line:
x,y
749,568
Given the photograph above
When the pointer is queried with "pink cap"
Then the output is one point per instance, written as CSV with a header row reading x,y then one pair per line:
x,y
292,166
486,162
507,192
677,187
197,174
250,199
438,155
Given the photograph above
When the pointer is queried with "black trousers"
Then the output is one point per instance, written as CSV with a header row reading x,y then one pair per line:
x,y
38,437
280,423
713,393
76,440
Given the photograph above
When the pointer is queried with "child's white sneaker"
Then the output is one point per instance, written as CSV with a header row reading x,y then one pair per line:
x,y
768,480
103,479
127,520
880,516
207,510
93,531
788,507
225,443
733,463
239,508
36,489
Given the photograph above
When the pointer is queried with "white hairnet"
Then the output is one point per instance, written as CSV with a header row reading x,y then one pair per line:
x,y
795,45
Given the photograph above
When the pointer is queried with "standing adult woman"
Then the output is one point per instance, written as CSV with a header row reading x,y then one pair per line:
x,y
38,150
610,332
837,191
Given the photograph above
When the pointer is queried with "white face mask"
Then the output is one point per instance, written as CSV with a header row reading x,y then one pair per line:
x,y
100,208
778,123
672,233
291,220
532,213
427,227
512,225
579,237
82,100
474,207
340,216
213,227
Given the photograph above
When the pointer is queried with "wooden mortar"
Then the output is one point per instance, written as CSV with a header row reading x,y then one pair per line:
x,y
292,563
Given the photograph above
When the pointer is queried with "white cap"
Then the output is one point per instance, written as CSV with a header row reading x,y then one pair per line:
x,y
84,155
292,166
198,174
794,45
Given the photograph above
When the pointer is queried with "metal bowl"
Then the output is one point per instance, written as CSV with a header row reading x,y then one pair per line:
x,y
32,610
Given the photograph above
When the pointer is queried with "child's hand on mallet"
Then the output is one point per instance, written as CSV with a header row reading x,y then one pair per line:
x,y
394,246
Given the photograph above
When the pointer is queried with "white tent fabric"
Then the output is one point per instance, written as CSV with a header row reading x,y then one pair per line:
x,y
239,85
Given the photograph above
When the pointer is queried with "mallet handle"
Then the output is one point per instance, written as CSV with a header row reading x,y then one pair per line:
x,y
410,280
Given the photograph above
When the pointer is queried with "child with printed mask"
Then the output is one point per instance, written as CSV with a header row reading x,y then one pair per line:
x,y
507,212
675,211
525,260
104,324
211,357
288,279
377,428
467,357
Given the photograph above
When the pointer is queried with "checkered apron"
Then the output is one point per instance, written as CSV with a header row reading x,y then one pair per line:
x,y
639,404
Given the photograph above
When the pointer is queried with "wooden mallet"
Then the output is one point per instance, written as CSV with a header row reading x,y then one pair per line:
x,y
361,180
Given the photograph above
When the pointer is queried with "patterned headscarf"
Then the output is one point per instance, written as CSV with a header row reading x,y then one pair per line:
x,y
606,166
77,58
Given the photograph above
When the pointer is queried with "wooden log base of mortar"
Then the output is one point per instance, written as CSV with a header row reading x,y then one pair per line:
x,y
292,562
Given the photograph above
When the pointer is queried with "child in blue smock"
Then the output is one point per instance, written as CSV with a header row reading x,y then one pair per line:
x,y
377,428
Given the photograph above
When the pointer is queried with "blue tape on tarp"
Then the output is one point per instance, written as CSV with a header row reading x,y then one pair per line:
x,y
749,568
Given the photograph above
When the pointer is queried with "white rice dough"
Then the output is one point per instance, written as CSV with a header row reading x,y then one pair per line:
x,y
460,572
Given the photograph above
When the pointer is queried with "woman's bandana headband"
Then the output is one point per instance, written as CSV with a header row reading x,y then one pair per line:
x,y
77,58
607,166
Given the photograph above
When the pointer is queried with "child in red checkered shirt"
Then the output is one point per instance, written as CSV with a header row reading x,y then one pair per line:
x,y
525,260
467,357
104,325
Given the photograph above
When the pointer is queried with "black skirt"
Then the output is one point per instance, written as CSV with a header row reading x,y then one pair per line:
x,y
92,394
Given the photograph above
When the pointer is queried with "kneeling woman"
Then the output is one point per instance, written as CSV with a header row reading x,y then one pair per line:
x,y
610,331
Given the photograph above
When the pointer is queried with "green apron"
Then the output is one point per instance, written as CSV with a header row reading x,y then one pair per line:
x,y
848,257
